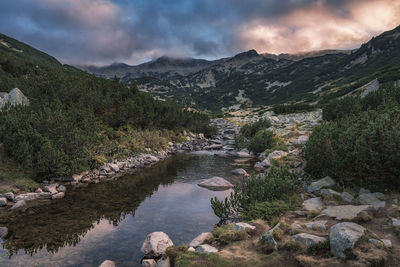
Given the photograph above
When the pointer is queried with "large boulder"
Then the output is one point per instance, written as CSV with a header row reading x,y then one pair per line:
x,y
149,263
200,239
206,249
371,199
307,239
216,183
313,204
322,183
317,225
19,205
262,165
3,201
343,236
156,244
14,98
344,212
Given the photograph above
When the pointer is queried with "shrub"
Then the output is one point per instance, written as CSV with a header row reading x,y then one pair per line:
x,y
250,130
262,140
363,149
246,200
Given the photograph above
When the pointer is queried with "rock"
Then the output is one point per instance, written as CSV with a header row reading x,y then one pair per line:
x,y
191,249
39,190
296,227
61,188
240,172
345,212
107,263
149,263
371,199
322,183
155,244
308,239
347,197
200,239
267,237
393,222
52,188
376,242
329,192
213,147
343,236
242,154
33,196
163,262
313,204
302,140
387,243
114,167
316,225
152,158
364,191
58,195
216,183
20,204
206,249
262,165
3,201
3,232
241,226
277,154
14,98
296,164
9,195
379,195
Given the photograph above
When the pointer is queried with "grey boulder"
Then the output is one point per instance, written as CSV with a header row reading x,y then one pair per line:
x,y
216,183
156,244
343,237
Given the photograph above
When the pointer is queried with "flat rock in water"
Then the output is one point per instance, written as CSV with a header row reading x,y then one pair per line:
x,y
371,199
322,183
307,239
200,239
107,263
156,244
206,249
313,204
149,263
216,183
240,171
33,196
343,236
345,212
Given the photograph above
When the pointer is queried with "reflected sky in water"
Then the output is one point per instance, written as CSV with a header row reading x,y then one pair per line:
x,y
110,220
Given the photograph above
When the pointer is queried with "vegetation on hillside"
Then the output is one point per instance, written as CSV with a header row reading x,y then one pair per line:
x,y
75,119
361,144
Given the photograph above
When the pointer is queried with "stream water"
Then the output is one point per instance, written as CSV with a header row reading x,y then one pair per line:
x,y
110,220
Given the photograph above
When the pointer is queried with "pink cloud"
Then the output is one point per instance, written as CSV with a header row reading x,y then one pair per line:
x,y
321,27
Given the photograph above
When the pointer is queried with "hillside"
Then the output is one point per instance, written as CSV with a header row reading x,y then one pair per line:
x,y
250,78
76,121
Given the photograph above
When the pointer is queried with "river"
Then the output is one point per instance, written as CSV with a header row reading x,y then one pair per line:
x,y
110,220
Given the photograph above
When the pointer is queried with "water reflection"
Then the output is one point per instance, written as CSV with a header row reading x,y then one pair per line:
x,y
110,220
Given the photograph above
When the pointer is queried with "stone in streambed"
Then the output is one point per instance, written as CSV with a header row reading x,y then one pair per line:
x,y
216,183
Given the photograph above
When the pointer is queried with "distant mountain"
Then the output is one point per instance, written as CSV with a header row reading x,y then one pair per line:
x,y
250,78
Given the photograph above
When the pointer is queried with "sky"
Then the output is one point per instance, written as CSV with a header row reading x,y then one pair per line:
x,y
101,32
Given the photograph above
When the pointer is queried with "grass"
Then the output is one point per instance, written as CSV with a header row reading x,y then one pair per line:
x,y
189,259
224,235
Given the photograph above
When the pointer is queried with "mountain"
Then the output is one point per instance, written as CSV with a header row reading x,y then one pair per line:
x,y
250,78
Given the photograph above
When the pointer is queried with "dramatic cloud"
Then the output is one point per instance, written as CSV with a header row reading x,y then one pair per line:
x,y
133,31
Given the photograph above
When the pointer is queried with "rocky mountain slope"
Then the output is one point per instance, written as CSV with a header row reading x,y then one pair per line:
x,y
250,78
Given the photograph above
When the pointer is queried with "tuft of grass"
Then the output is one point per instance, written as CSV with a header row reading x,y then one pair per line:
x,y
174,251
224,235
189,259
322,248
292,246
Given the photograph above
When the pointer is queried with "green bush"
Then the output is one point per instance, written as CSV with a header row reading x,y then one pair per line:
x,y
250,130
258,193
262,140
224,235
363,149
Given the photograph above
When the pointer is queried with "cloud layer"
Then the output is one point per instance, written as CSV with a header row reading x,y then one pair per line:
x,y
133,31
